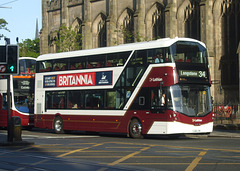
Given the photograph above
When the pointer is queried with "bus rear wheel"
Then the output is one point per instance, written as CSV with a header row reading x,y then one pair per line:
x,y
58,125
135,129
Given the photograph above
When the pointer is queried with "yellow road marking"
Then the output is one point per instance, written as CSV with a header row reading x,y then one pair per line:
x,y
152,163
196,161
176,163
138,157
123,147
78,150
40,162
179,147
128,156
178,151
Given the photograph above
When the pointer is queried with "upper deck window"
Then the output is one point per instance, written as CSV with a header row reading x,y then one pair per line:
x,y
189,52
27,66
159,55
84,62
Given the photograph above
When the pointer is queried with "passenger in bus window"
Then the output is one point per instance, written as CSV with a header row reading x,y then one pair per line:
x,y
75,106
72,67
159,58
90,65
163,99
62,103
64,67
56,68
70,105
80,66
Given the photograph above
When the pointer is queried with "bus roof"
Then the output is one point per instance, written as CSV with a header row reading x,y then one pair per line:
x,y
21,58
165,42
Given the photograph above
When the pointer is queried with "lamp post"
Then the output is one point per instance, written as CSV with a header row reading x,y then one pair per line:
x,y
238,52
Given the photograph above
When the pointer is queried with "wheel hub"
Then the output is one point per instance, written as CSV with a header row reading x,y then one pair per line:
x,y
137,128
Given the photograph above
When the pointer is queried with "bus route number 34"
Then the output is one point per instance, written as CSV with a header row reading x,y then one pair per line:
x,y
202,74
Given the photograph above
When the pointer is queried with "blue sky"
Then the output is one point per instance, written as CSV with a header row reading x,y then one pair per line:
x,y
21,19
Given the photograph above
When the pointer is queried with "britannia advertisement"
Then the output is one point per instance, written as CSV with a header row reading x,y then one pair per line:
x,y
78,79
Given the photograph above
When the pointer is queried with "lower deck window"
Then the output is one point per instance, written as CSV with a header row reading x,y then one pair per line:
x,y
85,99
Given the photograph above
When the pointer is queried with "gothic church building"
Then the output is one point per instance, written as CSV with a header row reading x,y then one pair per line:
x,y
112,22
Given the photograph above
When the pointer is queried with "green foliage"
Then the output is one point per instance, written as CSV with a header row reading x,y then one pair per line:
x,y
29,48
3,25
130,36
68,39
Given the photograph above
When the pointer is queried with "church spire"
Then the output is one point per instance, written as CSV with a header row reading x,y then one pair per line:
x,y
37,32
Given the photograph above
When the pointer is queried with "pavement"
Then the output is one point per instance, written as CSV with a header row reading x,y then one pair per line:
x,y
219,130
226,130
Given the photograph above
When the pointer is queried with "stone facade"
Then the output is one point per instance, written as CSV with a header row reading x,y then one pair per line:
x,y
112,22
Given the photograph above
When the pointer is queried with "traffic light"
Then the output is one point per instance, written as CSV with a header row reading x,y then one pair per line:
x,y
3,55
12,51
9,60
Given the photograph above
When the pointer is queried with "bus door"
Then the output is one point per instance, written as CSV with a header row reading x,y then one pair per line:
x,y
158,100
3,102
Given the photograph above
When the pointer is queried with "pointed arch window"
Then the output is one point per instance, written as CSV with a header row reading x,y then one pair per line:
x,y
158,20
77,27
128,27
102,33
192,20
230,23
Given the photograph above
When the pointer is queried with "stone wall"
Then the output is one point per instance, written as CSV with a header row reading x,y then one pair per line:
x,y
102,22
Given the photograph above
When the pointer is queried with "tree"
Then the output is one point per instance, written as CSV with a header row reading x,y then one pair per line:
x,y
68,39
29,48
3,25
130,36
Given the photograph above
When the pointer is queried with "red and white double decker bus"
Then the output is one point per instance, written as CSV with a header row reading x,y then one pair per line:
x,y
22,93
156,87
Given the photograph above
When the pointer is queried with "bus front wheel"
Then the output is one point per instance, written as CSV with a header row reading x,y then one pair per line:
x,y
135,129
58,125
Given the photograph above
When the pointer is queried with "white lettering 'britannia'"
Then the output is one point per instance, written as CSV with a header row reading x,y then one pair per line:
x,y
75,80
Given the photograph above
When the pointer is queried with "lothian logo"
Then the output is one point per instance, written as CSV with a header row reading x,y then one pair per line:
x,y
196,120
155,79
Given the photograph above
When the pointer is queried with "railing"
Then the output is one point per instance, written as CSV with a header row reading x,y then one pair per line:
x,y
227,112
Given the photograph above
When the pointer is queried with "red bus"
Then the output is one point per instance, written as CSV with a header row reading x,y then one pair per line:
x,y
156,87
22,93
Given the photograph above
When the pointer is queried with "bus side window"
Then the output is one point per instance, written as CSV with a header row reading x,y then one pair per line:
x,y
142,101
5,104
112,59
150,56
111,100
56,68
72,66
45,66
62,103
64,67
49,100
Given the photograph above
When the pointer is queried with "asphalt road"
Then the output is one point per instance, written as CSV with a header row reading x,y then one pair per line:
x,y
80,151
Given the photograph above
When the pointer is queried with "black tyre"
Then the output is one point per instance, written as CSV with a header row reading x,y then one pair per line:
x,y
135,129
58,125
